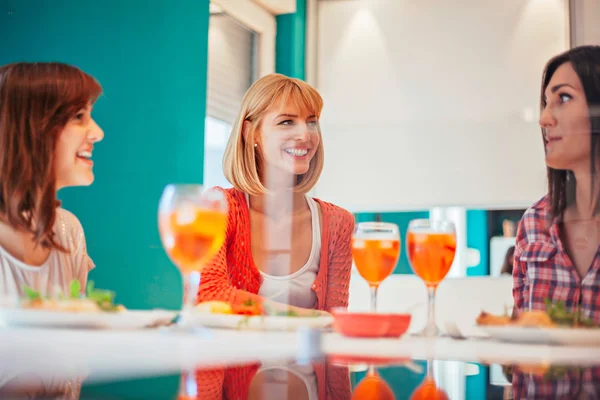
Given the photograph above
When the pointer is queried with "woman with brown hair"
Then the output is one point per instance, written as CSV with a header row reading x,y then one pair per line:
x,y
47,136
556,253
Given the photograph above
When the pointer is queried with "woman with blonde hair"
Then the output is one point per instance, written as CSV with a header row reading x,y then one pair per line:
x,y
283,249
281,246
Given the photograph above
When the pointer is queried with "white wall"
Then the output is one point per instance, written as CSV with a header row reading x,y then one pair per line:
x,y
585,22
431,103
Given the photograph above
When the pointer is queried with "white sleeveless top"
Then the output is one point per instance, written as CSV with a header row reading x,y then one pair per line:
x,y
296,289
276,385
59,269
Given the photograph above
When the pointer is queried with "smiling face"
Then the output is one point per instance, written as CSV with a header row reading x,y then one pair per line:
x,y
288,139
566,122
73,157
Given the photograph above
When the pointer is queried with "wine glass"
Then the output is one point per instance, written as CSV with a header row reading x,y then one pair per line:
x,y
428,389
192,225
375,249
373,386
431,246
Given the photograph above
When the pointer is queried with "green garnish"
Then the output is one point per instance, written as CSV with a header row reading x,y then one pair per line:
x,y
75,289
248,303
558,313
31,294
103,298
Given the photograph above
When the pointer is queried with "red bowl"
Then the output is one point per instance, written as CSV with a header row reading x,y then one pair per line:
x,y
370,325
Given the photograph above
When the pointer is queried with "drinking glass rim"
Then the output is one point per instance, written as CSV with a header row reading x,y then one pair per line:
x,y
383,227
436,225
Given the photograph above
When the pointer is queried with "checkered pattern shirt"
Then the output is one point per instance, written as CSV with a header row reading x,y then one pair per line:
x,y
542,268
573,384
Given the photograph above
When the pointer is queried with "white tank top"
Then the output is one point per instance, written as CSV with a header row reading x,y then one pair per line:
x,y
276,385
296,289
54,276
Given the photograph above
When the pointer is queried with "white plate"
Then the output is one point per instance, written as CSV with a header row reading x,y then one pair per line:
x,y
101,320
552,336
228,321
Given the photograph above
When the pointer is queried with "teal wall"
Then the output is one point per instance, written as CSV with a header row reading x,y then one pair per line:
x,y
151,59
477,231
290,42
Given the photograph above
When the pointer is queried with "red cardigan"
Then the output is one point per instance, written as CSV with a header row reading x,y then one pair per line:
x,y
233,277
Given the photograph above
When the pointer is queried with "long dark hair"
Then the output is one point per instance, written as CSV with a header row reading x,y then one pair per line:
x,y
36,102
586,63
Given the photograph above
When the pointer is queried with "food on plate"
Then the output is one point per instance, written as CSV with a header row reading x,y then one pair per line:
x,y
215,307
250,308
488,319
95,300
555,315
534,319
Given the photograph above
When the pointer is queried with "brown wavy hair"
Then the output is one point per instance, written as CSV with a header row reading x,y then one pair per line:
x,y
36,102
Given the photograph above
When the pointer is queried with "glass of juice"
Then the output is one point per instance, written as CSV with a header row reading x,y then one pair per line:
x,y
428,389
375,250
431,246
192,225
373,387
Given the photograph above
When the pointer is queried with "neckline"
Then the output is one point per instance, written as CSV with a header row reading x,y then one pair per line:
x,y
316,237
23,265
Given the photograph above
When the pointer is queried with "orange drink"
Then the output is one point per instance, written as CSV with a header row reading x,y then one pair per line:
x,y
192,223
431,255
373,387
428,390
193,236
431,246
375,259
375,249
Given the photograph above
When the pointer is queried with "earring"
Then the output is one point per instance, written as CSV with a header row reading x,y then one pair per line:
x,y
255,144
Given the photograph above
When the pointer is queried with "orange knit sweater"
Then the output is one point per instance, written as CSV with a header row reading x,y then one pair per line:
x,y
232,276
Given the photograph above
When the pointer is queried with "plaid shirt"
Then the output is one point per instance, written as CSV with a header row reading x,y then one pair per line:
x,y
573,384
542,269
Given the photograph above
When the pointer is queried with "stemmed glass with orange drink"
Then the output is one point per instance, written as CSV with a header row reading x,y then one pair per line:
x,y
373,387
375,249
428,389
431,246
192,225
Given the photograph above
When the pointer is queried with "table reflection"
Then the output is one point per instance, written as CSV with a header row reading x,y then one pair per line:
x,y
556,382
335,377
274,380
23,385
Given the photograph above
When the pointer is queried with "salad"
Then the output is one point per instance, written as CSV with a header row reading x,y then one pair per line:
x,y
95,300
555,315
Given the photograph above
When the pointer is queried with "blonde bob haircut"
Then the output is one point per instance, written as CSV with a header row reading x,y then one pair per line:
x,y
241,161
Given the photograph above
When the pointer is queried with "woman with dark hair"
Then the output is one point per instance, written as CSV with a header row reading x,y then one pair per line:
x,y
47,135
556,254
